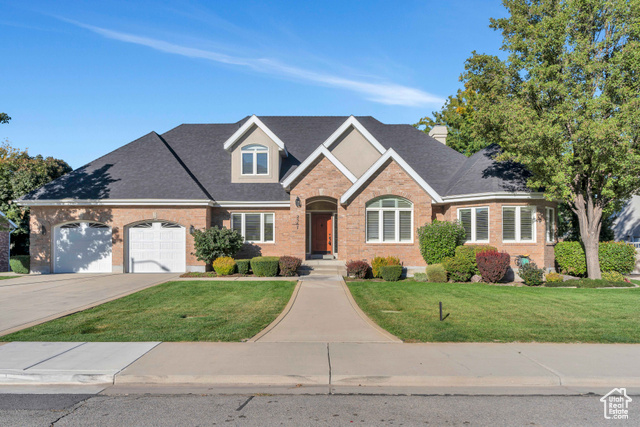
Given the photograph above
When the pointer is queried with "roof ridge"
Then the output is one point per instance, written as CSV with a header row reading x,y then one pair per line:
x,y
185,167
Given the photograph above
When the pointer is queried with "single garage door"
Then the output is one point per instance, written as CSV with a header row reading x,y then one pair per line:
x,y
157,247
82,247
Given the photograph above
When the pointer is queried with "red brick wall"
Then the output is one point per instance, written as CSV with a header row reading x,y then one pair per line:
x,y
4,250
117,218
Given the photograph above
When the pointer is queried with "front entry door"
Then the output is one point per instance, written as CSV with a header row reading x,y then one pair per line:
x,y
321,232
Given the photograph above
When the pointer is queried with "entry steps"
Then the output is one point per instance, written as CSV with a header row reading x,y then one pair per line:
x,y
323,267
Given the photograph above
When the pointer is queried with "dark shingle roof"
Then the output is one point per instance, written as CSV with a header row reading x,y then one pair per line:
x,y
189,162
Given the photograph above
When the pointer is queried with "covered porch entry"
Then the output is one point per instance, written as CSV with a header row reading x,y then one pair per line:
x,y
322,228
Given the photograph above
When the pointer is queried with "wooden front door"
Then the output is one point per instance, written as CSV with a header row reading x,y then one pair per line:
x,y
321,233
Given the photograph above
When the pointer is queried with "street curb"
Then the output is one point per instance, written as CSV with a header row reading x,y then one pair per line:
x,y
55,378
281,316
366,318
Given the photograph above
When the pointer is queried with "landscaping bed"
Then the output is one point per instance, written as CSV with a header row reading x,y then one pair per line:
x,y
173,311
483,313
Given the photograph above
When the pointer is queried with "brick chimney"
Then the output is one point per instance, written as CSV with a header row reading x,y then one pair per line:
x,y
439,133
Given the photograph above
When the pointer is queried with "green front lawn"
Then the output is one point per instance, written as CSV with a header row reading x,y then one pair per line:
x,y
174,311
8,277
485,313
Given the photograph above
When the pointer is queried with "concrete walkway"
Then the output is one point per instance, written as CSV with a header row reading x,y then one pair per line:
x,y
29,300
323,310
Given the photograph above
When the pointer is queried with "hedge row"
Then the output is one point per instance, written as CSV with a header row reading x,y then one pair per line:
x,y
614,256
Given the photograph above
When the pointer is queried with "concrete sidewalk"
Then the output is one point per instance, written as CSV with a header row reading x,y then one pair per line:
x,y
323,310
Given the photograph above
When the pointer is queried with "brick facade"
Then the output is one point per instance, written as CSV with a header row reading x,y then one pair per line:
x,y
5,237
118,218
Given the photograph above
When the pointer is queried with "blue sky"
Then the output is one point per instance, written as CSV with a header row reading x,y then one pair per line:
x,y
81,78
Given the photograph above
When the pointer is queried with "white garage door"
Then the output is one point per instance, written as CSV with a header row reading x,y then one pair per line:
x,y
82,247
157,247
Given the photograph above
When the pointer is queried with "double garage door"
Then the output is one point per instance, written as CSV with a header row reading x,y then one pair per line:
x,y
152,247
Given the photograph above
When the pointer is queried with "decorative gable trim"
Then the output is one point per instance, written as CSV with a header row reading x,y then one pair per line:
x,y
390,154
320,151
352,121
254,120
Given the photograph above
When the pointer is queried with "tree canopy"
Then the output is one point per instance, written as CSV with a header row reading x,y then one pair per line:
x,y
566,102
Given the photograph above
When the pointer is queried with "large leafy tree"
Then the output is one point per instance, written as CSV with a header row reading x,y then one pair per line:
x,y
566,102
21,173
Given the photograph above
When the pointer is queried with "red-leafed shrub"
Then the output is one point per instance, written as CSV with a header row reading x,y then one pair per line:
x,y
358,269
493,265
289,265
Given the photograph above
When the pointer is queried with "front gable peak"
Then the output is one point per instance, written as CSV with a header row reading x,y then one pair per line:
x,y
353,122
248,125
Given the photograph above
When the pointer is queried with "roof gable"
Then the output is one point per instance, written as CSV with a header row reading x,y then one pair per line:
x,y
320,151
254,121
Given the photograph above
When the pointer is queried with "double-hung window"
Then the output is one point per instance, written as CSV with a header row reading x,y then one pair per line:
x,y
389,220
254,227
519,224
255,160
551,225
476,224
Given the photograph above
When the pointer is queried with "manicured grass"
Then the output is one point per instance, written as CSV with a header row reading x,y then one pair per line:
x,y
8,277
485,313
174,311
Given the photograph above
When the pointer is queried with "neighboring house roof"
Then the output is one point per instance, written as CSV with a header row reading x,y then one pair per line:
x,y
190,162
4,220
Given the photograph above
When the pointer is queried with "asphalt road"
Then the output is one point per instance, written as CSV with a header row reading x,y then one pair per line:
x,y
302,410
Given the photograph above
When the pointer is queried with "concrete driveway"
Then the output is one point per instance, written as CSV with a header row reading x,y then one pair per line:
x,y
28,300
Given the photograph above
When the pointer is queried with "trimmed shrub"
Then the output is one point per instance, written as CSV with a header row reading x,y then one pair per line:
x,y
391,273
379,262
469,252
243,265
613,256
216,242
458,269
20,264
612,276
436,273
289,265
265,266
358,269
493,265
422,277
554,278
589,283
619,257
224,266
531,274
439,239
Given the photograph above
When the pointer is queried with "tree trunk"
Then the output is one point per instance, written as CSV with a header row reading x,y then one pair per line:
x,y
590,220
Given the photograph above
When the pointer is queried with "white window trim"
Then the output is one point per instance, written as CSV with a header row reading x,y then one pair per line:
x,y
518,225
381,225
473,223
550,219
243,223
254,151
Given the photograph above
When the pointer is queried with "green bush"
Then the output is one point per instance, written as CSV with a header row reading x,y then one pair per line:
x,y
224,266
243,265
617,256
436,273
439,240
469,252
391,273
589,283
613,256
612,276
458,269
531,274
553,278
381,262
265,266
421,277
216,242
20,264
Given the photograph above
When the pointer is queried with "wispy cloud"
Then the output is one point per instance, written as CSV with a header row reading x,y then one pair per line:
x,y
381,92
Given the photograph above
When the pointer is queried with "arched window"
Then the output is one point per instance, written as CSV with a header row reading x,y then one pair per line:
x,y
389,220
255,160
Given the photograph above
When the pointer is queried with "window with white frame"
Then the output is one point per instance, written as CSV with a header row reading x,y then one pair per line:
x,y
254,227
519,224
476,223
389,220
551,225
255,160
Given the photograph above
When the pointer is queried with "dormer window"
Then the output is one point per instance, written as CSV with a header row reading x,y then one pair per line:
x,y
255,160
